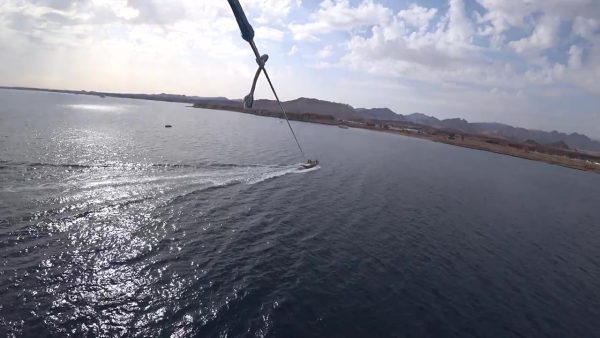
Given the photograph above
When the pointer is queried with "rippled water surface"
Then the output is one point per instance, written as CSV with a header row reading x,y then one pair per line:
x,y
112,225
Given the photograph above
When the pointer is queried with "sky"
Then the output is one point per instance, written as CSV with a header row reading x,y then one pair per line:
x,y
530,63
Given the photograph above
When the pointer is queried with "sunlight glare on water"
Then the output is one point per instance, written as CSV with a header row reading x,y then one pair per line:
x,y
98,107
112,225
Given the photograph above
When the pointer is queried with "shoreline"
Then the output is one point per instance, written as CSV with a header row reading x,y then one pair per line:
x,y
469,141
567,158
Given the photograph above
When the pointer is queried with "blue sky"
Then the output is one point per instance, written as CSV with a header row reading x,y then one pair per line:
x,y
531,63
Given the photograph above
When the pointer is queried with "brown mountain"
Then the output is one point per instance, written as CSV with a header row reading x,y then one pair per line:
x,y
456,125
314,106
341,111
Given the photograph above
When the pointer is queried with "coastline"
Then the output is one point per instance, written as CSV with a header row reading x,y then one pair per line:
x,y
564,158
568,158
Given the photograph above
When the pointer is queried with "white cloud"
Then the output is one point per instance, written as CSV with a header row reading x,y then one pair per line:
x,y
103,45
460,28
269,11
392,49
340,15
325,53
504,14
269,33
585,27
544,36
575,55
413,44
417,16
293,50
160,12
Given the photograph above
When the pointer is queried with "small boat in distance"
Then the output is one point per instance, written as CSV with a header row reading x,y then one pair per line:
x,y
343,126
309,164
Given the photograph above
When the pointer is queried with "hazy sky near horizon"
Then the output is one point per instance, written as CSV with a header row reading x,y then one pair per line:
x,y
531,63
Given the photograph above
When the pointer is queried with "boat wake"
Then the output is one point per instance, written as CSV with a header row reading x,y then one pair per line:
x,y
132,177
63,195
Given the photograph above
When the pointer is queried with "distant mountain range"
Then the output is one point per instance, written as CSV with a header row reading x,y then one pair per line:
x,y
553,138
313,106
346,112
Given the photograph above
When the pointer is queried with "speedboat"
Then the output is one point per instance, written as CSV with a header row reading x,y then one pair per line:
x,y
309,164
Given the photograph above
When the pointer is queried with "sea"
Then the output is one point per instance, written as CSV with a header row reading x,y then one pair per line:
x,y
112,225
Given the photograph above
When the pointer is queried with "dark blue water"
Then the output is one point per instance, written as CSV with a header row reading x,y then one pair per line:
x,y
112,225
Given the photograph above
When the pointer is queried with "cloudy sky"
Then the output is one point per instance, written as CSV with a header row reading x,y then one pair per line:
x,y
532,63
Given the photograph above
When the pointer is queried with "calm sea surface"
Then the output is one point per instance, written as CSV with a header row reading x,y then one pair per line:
x,y
112,225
